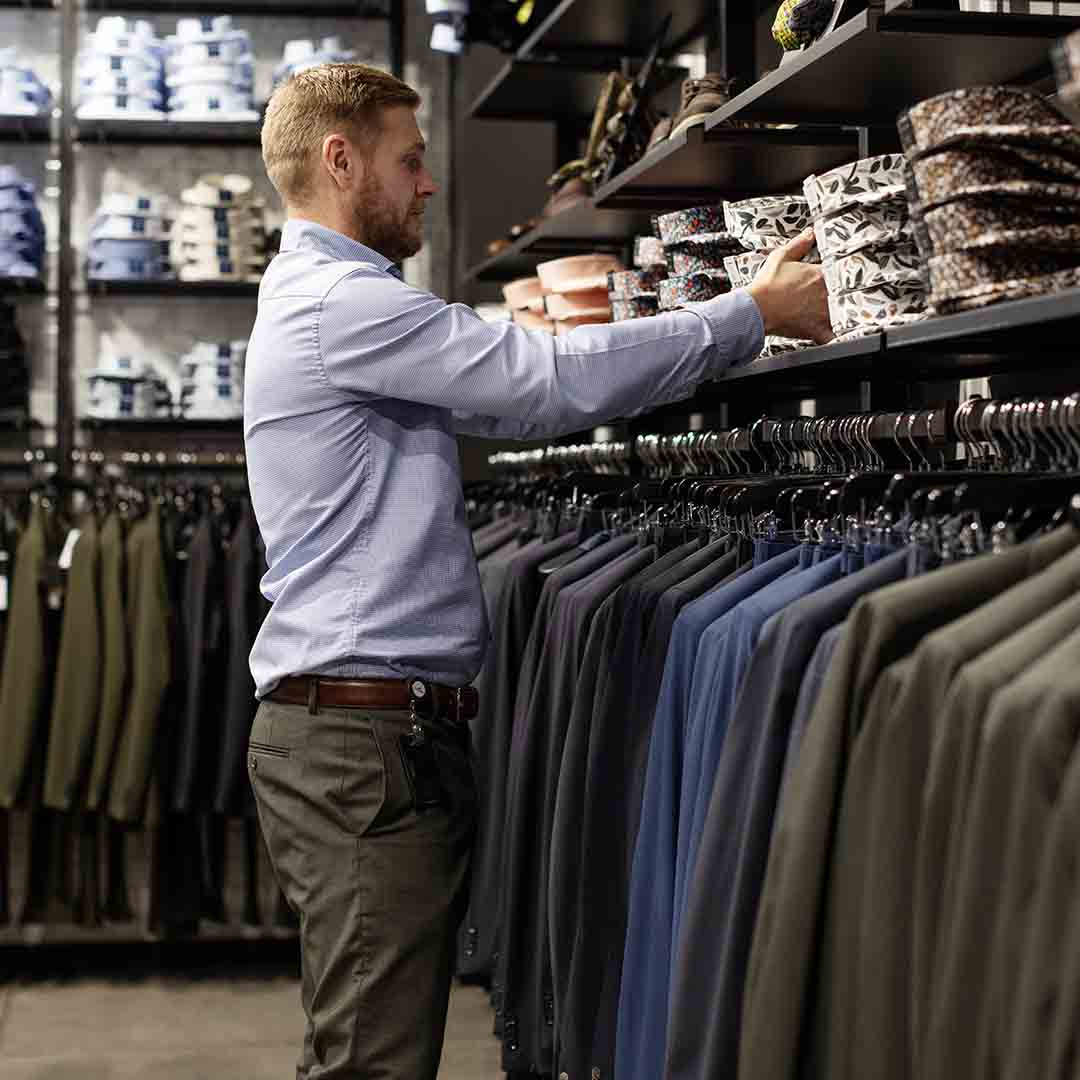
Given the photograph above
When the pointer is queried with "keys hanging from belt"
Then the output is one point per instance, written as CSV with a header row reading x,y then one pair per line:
x,y
417,752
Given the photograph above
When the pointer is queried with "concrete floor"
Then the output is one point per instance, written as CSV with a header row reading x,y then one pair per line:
x,y
191,1029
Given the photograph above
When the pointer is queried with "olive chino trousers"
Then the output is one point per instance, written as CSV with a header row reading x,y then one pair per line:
x,y
379,888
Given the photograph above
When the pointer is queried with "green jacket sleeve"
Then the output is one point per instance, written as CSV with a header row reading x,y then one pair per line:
x,y
78,675
149,623
114,660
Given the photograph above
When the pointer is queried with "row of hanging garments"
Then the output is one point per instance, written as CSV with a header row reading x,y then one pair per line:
x,y
776,751
127,612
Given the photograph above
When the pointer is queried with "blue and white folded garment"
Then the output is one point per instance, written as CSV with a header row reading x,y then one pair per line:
x,y
129,239
22,93
122,389
22,230
216,401
220,234
121,72
304,53
210,71
212,380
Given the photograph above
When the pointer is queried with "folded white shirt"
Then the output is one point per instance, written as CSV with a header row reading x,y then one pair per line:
x,y
110,226
213,352
116,26
205,26
236,76
220,190
213,103
131,64
231,48
221,270
109,84
140,205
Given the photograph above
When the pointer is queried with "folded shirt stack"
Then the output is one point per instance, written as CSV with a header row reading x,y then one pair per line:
x,y
210,71
129,240
125,389
212,386
22,232
305,53
22,93
121,72
14,364
220,234
993,192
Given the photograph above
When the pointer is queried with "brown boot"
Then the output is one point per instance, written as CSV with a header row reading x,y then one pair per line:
x,y
700,97
659,133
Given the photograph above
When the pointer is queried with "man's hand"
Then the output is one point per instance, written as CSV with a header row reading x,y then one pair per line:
x,y
791,295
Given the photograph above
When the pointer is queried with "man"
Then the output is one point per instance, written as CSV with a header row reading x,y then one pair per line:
x,y
356,386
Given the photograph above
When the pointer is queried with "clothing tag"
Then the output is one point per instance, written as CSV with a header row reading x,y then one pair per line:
x,y
3,592
68,552
55,597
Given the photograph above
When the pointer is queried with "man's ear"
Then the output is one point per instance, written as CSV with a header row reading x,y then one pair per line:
x,y
339,160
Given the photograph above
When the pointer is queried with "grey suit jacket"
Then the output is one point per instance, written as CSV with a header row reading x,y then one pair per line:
x,y
882,628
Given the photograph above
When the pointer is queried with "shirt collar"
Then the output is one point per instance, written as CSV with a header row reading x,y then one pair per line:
x,y
299,233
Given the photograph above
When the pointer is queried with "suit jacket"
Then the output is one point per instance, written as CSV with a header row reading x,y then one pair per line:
x,y
954,1023
793,916
22,685
148,605
77,693
898,740
1049,978
112,545
710,965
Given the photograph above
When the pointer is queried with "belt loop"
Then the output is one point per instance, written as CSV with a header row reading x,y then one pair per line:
x,y
313,695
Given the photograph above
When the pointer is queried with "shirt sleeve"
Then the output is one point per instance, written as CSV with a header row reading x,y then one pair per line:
x,y
379,337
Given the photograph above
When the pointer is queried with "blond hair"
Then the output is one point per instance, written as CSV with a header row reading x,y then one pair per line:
x,y
314,103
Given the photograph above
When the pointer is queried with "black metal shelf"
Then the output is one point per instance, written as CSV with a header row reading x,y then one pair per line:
x,y
174,133
215,289
16,287
29,5
882,61
288,9
616,28
1039,327
576,231
554,88
26,129
707,165
159,441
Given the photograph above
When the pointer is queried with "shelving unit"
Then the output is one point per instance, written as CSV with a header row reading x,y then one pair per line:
x,y
160,440
14,288
182,289
175,133
836,101
25,129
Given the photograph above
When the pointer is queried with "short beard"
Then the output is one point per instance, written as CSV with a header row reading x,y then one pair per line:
x,y
376,223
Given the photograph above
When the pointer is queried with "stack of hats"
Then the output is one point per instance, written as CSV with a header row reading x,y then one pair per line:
x,y
525,299
994,191
22,232
122,71
305,53
212,386
576,290
221,231
14,364
125,389
696,242
633,293
210,71
22,93
872,266
129,240
762,225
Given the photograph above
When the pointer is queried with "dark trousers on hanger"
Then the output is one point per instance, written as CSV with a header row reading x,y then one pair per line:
x,y
379,888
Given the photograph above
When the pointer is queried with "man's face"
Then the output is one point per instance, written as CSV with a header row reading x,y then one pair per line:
x,y
393,188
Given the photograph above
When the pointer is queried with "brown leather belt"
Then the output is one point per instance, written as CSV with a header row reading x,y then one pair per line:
x,y
315,691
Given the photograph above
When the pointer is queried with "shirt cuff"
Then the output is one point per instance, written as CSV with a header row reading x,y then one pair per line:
x,y
738,331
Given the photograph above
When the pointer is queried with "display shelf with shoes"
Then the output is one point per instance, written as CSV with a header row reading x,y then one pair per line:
x,y
210,289
704,164
25,129
182,133
892,56
580,229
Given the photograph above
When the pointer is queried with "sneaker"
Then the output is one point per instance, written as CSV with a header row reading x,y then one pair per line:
x,y
700,98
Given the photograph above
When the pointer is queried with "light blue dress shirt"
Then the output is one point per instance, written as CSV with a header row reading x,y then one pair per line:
x,y
356,386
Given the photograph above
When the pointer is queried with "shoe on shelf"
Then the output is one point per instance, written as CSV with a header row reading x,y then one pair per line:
x,y
660,132
568,187
700,98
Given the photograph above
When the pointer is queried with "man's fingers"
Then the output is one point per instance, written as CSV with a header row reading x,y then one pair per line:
x,y
798,247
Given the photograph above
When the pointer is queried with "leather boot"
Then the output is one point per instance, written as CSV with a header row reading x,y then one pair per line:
x,y
700,98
